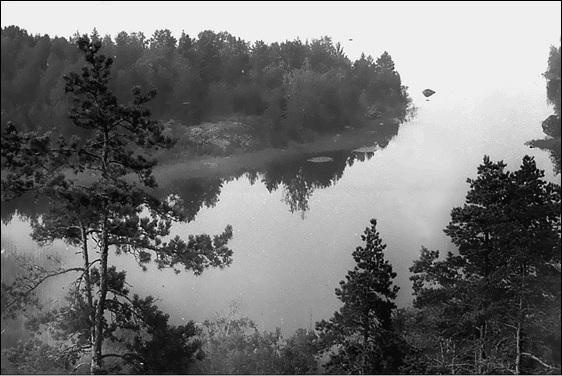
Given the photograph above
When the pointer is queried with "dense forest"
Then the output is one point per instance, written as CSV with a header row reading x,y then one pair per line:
x,y
288,90
492,307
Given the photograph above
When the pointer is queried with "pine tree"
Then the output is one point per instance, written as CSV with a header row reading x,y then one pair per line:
x,y
95,205
360,337
502,291
385,63
509,231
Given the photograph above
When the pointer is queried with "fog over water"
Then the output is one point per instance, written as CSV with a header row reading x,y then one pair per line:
x,y
485,64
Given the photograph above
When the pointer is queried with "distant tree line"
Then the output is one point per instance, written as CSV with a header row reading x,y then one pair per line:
x,y
296,87
552,126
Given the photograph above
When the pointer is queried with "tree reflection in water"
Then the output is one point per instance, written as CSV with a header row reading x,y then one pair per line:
x,y
296,176
300,177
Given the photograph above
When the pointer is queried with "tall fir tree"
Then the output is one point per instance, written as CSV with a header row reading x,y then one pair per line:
x,y
360,337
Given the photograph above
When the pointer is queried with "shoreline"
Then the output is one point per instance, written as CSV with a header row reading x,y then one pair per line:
x,y
208,166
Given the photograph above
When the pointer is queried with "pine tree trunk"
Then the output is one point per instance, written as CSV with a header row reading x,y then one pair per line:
x,y
518,346
480,350
453,360
88,286
518,332
365,347
96,365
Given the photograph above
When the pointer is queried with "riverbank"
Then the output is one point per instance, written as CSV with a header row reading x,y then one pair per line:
x,y
376,132
182,164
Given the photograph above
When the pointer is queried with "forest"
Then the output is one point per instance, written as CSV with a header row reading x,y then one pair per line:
x,y
288,90
491,307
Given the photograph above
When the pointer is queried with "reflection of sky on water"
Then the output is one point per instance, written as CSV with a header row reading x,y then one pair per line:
x,y
286,266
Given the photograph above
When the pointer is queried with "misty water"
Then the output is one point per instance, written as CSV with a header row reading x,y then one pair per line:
x,y
296,223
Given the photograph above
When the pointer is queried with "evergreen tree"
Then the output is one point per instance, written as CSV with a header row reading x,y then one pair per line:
x,y
202,77
139,338
94,204
360,337
502,290
299,354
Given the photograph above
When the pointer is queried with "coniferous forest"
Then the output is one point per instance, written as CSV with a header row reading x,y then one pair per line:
x,y
89,125
294,87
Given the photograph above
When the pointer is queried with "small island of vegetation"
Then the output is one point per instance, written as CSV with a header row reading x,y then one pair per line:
x,y
217,94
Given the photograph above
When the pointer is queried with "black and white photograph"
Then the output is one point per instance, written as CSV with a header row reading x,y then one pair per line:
x,y
331,187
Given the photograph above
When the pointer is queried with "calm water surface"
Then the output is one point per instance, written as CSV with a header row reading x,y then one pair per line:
x,y
296,223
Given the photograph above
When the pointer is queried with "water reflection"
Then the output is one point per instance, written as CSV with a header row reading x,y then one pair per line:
x,y
551,126
300,178
551,143
28,207
296,175
285,267
196,193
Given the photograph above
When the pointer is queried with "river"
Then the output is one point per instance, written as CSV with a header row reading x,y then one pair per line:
x,y
296,223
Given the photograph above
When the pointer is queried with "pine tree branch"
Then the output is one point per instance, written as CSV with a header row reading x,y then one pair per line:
x,y
86,270
509,325
541,362
79,365
500,342
38,283
84,151
126,357
132,307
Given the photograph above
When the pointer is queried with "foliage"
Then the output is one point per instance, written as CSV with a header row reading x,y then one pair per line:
x,y
241,349
91,197
138,337
493,302
299,354
360,338
204,76
234,345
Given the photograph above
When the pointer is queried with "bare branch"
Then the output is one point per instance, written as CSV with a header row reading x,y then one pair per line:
x,y
126,357
38,283
79,365
79,279
539,361
509,325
